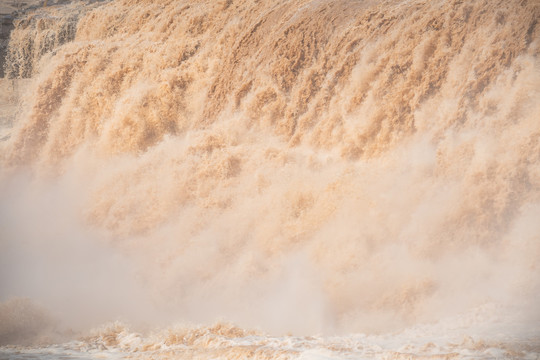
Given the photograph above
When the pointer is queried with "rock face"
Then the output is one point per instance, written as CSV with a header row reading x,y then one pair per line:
x,y
35,34
6,25
13,11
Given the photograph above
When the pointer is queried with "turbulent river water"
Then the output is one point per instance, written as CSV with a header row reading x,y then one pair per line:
x,y
281,179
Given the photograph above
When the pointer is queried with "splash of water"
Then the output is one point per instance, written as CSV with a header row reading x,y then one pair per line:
x,y
299,166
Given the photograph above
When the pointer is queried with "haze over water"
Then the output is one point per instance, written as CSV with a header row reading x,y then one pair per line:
x,y
285,179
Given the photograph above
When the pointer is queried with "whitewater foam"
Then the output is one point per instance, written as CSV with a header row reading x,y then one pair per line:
x,y
303,167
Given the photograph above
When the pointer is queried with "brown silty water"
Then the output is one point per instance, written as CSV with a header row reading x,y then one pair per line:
x,y
308,167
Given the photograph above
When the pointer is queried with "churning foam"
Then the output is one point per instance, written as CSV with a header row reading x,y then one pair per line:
x,y
296,166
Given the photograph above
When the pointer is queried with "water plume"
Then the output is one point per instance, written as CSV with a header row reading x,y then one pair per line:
x,y
297,166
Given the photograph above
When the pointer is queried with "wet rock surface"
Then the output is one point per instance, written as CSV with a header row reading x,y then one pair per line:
x,y
10,11
6,25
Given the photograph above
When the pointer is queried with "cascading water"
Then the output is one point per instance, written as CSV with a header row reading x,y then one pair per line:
x,y
365,171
